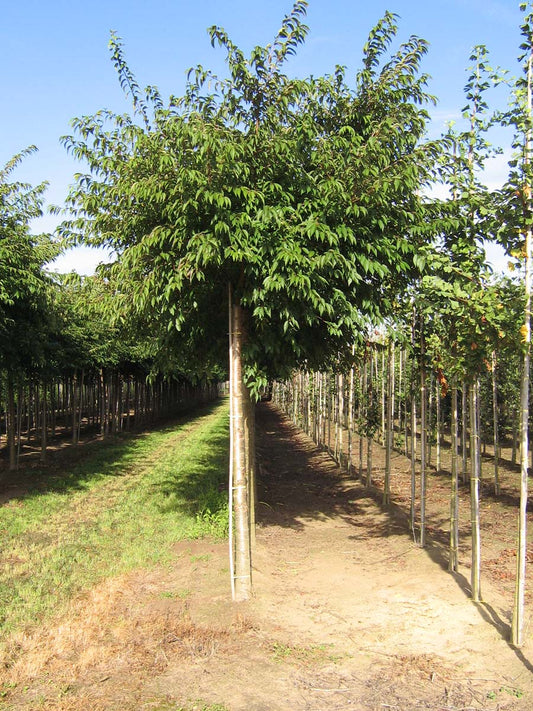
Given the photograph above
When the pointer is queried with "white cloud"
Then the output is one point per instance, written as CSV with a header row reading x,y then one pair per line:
x,y
82,260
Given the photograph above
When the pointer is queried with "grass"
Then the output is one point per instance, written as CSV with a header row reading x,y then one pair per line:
x,y
310,654
120,508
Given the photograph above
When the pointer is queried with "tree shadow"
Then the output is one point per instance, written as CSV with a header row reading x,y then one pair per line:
x,y
199,486
299,483
75,467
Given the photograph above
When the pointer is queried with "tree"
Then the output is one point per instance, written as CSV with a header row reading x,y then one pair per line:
x,y
515,232
23,282
291,203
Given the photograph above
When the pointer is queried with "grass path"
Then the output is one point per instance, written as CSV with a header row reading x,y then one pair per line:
x,y
121,507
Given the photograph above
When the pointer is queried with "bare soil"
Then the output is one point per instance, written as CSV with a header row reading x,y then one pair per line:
x,y
348,612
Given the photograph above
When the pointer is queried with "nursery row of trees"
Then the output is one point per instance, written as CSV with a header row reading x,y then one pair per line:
x,y
67,361
393,389
296,206
407,387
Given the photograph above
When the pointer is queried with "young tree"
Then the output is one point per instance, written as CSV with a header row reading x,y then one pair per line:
x,y
292,203
515,231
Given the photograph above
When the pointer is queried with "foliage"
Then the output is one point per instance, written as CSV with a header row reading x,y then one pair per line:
x,y
23,282
300,193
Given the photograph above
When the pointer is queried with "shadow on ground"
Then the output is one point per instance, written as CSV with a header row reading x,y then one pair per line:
x,y
75,466
299,482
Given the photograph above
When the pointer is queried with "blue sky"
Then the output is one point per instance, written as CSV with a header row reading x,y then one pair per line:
x,y
55,59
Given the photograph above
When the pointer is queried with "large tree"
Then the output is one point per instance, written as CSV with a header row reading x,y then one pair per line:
x,y
294,204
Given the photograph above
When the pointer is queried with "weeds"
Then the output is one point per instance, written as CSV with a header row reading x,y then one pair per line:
x,y
312,654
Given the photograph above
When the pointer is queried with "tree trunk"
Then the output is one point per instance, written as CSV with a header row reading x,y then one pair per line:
x,y
340,418
521,553
11,420
44,424
388,425
383,399
369,423
350,415
363,411
74,406
242,569
474,494
412,513
454,499
437,425
464,438
423,439
496,437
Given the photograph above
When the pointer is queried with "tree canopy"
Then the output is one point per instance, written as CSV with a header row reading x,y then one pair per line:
x,y
302,194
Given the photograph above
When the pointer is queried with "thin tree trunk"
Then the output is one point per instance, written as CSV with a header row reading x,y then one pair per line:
x,y
363,410
369,423
412,514
340,418
240,396
388,425
438,425
80,401
11,420
454,499
74,406
464,438
423,438
474,495
20,400
517,626
44,424
495,424
383,400
350,414
429,423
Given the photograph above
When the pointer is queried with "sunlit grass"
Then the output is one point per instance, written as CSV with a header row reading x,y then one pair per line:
x,y
122,507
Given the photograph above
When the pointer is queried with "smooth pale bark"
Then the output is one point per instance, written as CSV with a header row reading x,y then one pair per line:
x,y
328,411
383,399
495,424
474,494
350,415
438,426
464,432
454,498
412,513
429,422
362,414
388,425
242,577
423,440
340,419
517,625
370,398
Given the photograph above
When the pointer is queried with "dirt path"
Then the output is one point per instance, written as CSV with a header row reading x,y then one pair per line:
x,y
348,614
